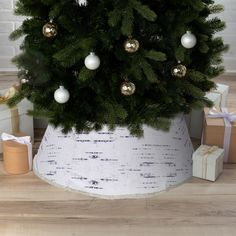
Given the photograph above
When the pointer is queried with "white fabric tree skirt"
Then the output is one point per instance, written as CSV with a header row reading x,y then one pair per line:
x,y
115,164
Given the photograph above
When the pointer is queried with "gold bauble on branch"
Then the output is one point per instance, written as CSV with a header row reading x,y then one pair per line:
x,y
179,71
10,93
50,29
127,88
131,45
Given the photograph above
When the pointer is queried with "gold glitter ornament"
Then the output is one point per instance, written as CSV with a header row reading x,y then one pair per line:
x,y
127,88
179,71
50,29
131,45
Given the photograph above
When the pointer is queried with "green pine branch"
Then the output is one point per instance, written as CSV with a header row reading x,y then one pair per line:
x,y
156,56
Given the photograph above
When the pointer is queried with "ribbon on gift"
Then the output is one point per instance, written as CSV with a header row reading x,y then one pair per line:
x,y
228,117
205,152
26,140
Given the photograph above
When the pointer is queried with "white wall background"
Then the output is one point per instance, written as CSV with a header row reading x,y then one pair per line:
x,y
229,34
9,22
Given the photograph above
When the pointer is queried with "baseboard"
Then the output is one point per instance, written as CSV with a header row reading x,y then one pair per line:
x,y
230,74
14,73
8,73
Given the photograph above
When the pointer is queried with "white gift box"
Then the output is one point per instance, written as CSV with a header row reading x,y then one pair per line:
x,y
195,118
25,121
223,91
208,162
215,98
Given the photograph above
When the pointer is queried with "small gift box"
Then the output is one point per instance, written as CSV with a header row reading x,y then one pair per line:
x,y
215,98
208,162
17,154
14,120
195,119
220,130
222,90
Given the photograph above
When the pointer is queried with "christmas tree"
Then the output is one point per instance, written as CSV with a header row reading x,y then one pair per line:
x,y
87,63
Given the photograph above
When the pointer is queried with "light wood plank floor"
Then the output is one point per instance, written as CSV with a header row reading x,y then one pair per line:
x,y
31,207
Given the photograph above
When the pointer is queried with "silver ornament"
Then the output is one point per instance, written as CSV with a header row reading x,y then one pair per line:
x,y
127,88
61,95
188,40
92,61
24,81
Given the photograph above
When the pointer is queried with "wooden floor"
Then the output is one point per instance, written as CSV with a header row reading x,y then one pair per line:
x,y
31,207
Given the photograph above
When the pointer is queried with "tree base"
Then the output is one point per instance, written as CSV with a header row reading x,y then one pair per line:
x,y
115,164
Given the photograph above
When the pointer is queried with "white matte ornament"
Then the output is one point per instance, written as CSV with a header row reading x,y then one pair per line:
x,y
62,95
24,81
92,61
82,2
188,40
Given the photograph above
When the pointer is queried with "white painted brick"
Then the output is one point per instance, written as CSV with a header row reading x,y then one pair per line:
x,y
4,40
6,4
230,65
9,16
18,24
17,50
7,51
6,27
6,64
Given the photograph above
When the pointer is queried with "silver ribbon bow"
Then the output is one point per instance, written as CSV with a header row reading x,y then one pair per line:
x,y
229,116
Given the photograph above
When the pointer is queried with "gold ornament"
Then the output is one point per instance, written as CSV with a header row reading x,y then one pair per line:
x,y
127,88
179,71
131,45
50,30
11,92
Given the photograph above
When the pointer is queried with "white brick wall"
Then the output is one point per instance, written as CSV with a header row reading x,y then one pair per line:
x,y
8,22
229,34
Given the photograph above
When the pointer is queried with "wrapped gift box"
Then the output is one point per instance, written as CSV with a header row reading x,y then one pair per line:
x,y
195,120
17,153
11,119
223,91
215,98
208,162
217,132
